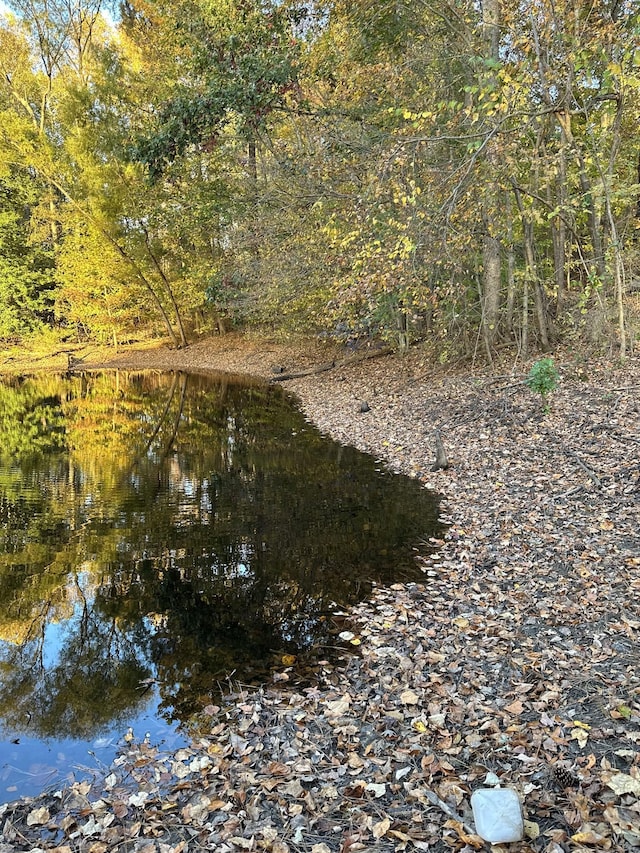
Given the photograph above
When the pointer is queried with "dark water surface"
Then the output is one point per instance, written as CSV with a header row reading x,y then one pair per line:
x,y
160,532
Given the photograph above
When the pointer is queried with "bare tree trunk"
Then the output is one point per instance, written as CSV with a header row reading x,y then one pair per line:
x,y
616,240
531,272
559,233
595,224
491,281
524,340
167,285
491,272
511,268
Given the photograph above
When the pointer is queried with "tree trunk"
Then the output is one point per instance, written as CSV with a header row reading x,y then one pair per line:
x,y
531,272
559,233
491,274
524,338
511,268
491,281
167,284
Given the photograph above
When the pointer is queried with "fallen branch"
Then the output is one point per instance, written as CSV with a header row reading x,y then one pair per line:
x,y
329,365
588,471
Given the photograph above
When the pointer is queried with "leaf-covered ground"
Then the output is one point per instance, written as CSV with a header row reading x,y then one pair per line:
x,y
516,661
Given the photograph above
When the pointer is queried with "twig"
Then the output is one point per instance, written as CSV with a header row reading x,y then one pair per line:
x,y
568,494
518,384
435,799
510,376
331,364
589,471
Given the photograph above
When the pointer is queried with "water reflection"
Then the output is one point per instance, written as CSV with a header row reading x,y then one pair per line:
x,y
168,529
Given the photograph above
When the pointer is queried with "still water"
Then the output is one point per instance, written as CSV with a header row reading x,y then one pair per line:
x,y
161,533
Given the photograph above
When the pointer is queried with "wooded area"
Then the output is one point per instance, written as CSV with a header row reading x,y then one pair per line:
x,y
354,168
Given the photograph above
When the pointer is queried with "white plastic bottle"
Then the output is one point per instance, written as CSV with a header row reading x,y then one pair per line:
x,y
497,815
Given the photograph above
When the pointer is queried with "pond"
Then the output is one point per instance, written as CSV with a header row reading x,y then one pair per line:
x,y
160,534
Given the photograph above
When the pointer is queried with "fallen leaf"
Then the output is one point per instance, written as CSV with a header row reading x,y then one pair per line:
x,y
408,697
581,736
621,783
381,828
588,836
38,816
293,788
531,829
338,707
242,843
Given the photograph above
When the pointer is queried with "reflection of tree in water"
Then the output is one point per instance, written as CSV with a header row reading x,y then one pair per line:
x,y
198,636
94,680
195,527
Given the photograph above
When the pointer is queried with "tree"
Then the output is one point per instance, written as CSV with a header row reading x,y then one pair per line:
x,y
26,260
76,151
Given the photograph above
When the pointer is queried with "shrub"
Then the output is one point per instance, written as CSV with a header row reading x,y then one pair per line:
x,y
543,378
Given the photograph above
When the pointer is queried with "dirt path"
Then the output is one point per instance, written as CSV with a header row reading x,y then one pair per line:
x,y
516,660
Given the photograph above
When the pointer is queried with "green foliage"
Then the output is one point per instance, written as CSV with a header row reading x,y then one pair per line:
x,y
337,164
543,377
239,65
26,265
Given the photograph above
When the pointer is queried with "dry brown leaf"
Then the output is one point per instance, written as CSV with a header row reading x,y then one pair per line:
x,y
590,836
338,707
293,788
381,828
622,783
409,697
580,735
38,816
472,840
242,843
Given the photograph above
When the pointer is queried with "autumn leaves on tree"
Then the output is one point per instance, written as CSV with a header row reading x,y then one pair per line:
x,y
363,169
